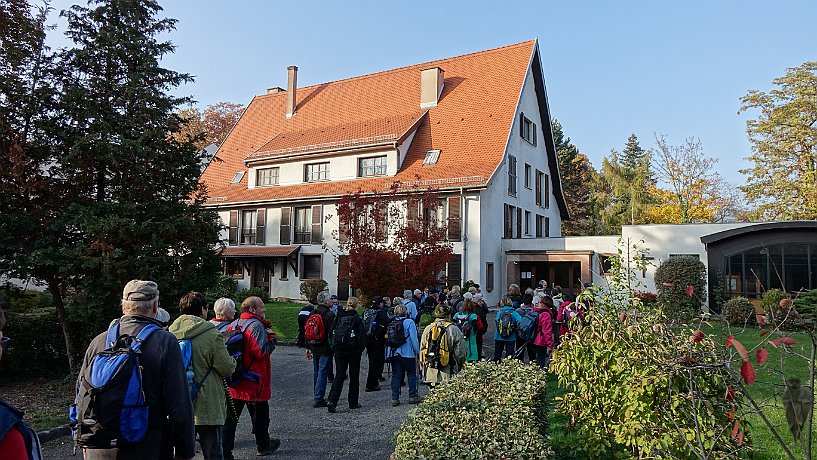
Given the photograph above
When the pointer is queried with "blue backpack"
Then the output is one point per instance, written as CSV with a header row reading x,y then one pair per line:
x,y
186,347
110,408
11,417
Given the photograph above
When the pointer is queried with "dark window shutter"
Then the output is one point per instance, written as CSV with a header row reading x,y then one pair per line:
x,y
547,191
507,221
413,214
519,222
343,232
533,133
286,225
383,223
260,227
455,270
454,221
233,237
522,124
547,227
538,188
317,224
489,276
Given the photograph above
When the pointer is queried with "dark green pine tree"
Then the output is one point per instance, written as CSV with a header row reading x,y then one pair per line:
x,y
577,176
624,186
132,197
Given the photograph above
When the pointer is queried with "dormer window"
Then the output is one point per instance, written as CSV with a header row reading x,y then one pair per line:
x,y
266,177
373,166
316,172
527,129
431,157
237,178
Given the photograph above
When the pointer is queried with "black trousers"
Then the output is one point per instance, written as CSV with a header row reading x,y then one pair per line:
x,y
342,363
528,348
259,415
376,352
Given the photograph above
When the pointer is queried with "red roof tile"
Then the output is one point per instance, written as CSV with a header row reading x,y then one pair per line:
x,y
470,125
258,251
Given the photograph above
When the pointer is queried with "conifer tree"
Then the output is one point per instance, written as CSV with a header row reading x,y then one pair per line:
x,y
624,188
577,176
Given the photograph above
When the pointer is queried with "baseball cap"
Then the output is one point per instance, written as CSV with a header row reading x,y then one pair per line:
x,y
140,290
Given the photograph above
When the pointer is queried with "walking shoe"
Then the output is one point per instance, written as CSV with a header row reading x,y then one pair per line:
x,y
274,444
377,388
321,403
330,407
415,400
229,456
356,406
395,402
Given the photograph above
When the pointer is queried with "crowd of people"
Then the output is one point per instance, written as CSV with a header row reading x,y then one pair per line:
x,y
149,388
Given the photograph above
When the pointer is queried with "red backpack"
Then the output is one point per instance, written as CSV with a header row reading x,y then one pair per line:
x,y
315,330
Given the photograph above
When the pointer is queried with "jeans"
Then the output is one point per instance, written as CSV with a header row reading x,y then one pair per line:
x,y
542,356
503,346
259,415
341,363
210,440
320,375
399,367
376,352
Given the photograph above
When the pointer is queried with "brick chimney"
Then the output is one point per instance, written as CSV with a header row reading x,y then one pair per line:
x,y
275,90
431,86
292,87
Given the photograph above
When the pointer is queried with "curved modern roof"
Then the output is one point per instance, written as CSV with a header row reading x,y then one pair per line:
x,y
764,227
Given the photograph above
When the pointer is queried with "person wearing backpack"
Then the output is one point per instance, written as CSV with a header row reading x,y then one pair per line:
x,y
410,303
208,364
319,348
524,342
303,315
569,317
258,342
442,347
348,342
515,294
481,310
224,310
543,339
505,336
376,320
402,348
18,441
160,393
467,322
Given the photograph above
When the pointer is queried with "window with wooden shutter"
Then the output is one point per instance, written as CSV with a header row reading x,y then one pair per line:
x,y
508,224
454,220
343,231
489,276
286,226
233,231
413,214
547,227
539,176
454,272
260,227
547,191
382,224
519,222
317,224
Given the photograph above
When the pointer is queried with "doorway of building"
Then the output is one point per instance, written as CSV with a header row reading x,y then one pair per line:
x,y
564,274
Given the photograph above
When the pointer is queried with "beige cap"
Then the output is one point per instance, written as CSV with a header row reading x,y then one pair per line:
x,y
140,290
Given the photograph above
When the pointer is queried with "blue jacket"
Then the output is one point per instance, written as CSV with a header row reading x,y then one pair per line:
x,y
410,349
412,308
516,320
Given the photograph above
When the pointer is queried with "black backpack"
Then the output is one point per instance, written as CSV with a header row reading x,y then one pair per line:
x,y
396,333
344,338
234,340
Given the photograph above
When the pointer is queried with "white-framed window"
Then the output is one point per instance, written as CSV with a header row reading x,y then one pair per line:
x,y
431,157
372,166
316,172
266,177
303,225
248,226
527,129
511,175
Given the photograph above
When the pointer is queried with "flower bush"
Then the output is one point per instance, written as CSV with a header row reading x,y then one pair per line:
x,y
489,410
738,311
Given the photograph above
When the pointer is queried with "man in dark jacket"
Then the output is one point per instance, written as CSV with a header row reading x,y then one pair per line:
x,y
376,344
320,351
349,340
302,316
163,378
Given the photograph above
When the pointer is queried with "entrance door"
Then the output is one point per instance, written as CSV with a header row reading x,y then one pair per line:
x,y
260,274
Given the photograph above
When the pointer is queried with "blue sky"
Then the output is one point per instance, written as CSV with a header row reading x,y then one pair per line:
x,y
677,68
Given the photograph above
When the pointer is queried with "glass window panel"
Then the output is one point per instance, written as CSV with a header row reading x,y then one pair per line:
x,y
755,266
796,269
734,275
775,267
813,265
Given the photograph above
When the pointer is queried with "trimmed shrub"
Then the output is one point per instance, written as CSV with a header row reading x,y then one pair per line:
x,y
225,286
38,346
311,288
806,304
489,410
681,284
738,311
242,295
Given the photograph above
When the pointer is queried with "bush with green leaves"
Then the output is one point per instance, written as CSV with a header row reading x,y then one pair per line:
x,y
241,295
628,378
311,288
489,410
681,284
225,286
38,348
738,311
806,304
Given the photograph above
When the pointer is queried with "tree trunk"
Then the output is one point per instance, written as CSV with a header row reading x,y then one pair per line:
x,y
56,291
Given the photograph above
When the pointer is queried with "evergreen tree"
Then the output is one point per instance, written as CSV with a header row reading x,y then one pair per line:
x,y
577,175
624,188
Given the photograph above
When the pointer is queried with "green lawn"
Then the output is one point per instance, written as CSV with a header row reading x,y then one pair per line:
x,y
765,387
284,319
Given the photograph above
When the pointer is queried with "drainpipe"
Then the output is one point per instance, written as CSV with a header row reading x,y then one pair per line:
x,y
464,235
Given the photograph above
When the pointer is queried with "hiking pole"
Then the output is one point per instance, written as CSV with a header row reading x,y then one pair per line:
x,y
521,350
231,414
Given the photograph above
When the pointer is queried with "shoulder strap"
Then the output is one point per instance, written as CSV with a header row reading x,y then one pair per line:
x,y
113,335
142,336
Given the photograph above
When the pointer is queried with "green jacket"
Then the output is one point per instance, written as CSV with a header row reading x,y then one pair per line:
x,y
209,352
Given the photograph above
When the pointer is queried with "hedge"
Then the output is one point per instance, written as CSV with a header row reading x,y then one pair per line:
x,y
38,346
489,410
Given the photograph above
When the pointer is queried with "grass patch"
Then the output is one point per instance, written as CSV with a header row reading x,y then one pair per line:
x,y
44,401
284,319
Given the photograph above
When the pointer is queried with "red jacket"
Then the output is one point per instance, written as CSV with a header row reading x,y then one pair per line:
x,y
258,344
544,334
565,318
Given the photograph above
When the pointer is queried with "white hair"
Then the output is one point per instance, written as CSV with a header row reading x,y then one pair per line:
x,y
139,307
407,293
323,296
223,306
418,292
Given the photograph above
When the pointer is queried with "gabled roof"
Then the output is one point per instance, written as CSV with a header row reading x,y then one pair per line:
x,y
470,125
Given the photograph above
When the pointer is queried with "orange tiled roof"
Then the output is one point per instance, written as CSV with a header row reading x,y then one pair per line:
x,y
470,125
258,251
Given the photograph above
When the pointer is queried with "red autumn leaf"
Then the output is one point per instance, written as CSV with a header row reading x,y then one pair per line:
x,y
761,355
730,394
747,371
666,284
735,427
729,341
732,414
740,438
690,291
697,336
765,333
761,320
785,303
784,340
738,347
